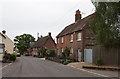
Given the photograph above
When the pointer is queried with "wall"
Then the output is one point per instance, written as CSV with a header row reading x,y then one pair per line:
x,y
109,56
75,44
50,44
9,45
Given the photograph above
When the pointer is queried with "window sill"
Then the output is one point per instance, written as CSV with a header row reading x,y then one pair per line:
x,y
79,40
71,41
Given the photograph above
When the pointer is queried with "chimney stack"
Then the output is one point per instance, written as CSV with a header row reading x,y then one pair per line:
x,y
77,15
49,33
4,32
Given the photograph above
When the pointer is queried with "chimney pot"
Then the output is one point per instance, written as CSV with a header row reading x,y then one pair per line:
x,y
49,33
4,32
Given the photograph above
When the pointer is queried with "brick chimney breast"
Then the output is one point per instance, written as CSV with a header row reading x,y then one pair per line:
x,y
77,15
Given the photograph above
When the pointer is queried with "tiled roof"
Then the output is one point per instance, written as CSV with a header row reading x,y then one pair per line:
x,y
40,42
79,25
2,35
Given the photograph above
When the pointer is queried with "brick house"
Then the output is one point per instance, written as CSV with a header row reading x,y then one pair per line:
x,y
78,38
46,42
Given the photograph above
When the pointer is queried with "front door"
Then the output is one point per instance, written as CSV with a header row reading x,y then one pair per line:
x,y
79,55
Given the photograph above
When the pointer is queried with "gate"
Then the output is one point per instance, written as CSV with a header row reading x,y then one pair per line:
x,y
88,55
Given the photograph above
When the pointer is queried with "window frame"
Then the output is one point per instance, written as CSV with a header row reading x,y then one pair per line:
x,y
71,37
79,36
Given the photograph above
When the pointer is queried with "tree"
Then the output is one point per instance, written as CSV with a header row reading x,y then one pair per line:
x,y
106,24
22,42
66,53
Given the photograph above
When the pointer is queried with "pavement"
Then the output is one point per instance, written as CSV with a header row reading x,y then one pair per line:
x,y
27,66
108,73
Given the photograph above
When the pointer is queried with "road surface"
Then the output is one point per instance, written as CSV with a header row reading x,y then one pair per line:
x,y
35,67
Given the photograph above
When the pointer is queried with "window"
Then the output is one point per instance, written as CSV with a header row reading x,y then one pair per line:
x,y
62,49
79,36
62,40
58,40
1,50
71,38
71,50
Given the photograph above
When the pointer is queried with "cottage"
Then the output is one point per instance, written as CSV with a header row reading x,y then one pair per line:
x,y
78,38
9,44
46,42
2,45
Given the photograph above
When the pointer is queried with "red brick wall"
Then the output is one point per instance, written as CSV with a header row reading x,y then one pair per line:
x,y
75,44
50,44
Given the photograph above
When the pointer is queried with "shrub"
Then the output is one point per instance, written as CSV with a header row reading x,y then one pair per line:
x,y
9,57
39,56
65,63
98,62
51,53
13,57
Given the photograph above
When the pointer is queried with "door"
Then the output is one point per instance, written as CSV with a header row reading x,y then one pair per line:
x,y
88,55
79,55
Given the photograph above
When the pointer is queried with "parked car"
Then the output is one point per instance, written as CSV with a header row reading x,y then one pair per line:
x,y
27,54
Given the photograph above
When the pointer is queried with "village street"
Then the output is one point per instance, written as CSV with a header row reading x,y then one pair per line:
x,y
36,67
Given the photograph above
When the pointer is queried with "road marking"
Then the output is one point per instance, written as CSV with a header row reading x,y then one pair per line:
x,y
89,71
5,66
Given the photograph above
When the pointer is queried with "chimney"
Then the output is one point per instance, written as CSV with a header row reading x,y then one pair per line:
x,y
38,35
49,33
77,15
41,36
4,32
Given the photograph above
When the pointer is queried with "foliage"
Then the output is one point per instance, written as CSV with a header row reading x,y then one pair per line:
x,y
106,24
98,62
9,57
51,53
39,56
43,50
13,57
66,53
65,63
22,42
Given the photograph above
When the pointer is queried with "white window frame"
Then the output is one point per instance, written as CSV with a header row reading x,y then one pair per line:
x,y
71,38
71,50
62,49
79,36
62,40
58,40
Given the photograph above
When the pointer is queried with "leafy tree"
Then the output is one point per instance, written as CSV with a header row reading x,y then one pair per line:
x,y
66,53
106,24
22,42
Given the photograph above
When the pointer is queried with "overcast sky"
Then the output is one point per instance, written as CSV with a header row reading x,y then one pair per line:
x,y
40,16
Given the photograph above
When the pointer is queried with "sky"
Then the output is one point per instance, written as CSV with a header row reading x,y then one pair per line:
x,y
40,16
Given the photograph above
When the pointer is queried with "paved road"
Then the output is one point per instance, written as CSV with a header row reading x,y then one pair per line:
x,y
35,67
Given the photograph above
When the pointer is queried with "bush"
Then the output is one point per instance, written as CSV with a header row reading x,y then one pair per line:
x,y
65,63
39,56
9,57
13,57
98,62
51,53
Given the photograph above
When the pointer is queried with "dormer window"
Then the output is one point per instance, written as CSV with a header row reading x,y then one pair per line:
x,y
79,37
71,38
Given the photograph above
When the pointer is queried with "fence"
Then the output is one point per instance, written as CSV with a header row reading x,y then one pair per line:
x,y
109,56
